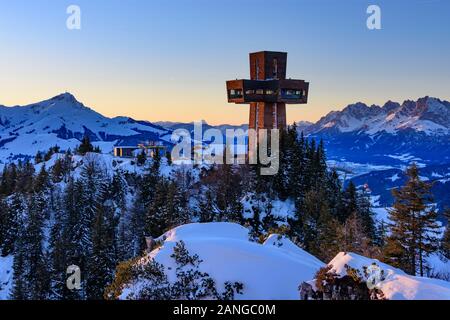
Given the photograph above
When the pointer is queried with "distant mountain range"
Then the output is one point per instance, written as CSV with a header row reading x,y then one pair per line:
x,y
414,130
392,134
372,145
369,144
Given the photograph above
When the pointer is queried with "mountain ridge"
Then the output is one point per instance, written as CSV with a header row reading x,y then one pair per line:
x,y
64,121
359,132
427,114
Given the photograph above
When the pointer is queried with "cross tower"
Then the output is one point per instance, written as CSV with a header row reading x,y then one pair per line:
x,y
268,91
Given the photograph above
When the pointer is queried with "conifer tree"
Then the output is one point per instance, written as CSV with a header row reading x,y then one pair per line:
x,y
318,228
333,192
349,202
24,180
85,146
206,207
9,179
38,158
149,182
281,179
75,234
57,258
9,225
91,180
353,236
123,217
36,275
119,190
57,172
228,194
141,158
19,290
13,214
166,210
446,238
366,215
102,259
169,158
381,230
414,230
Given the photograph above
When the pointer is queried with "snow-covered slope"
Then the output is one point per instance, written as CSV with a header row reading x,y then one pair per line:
x,y
272,270
6,274
397,285
64,121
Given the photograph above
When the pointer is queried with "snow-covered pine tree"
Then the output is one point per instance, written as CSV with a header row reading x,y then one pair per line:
x,y
19,290
366,215
75,234
206,208
57,255
91,179
14,215
144,199
9,225
102,259
36,274
119,190
167,209
124,229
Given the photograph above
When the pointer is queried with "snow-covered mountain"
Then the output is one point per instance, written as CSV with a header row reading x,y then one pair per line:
x,y
380,135
428,115
64,121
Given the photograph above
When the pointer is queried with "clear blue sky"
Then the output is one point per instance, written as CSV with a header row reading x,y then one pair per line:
x,y
169,59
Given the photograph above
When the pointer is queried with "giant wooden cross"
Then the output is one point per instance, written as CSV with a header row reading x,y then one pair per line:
x,y
268,91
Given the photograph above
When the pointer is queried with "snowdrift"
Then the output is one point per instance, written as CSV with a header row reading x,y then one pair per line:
x,y
397,285
6,274
272,270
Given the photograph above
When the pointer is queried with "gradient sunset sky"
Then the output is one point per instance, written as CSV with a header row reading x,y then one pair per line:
x,y
169,59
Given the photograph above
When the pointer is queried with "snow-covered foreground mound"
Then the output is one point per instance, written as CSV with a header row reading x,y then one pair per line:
x,y
397,285
272,270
